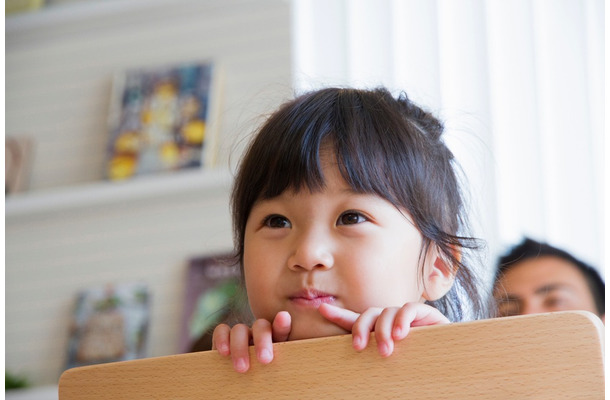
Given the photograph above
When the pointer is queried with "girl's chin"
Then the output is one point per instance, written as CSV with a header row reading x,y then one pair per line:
x,y
307,329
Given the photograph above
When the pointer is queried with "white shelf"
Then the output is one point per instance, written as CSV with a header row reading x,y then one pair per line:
x,y
48,392
106,192
57,14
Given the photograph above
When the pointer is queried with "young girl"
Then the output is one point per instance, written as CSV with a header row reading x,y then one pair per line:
x,y
348,217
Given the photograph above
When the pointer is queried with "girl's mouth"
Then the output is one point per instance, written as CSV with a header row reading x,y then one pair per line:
x,y
311,298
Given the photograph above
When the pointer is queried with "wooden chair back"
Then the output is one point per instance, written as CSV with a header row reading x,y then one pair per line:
x,y
544,356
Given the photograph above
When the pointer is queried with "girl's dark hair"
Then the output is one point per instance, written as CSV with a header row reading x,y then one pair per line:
x,y
384,146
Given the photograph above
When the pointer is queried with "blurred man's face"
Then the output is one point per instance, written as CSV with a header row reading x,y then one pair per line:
x,y
543,284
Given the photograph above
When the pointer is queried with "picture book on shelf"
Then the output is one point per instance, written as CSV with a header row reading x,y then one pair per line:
x,y
213,295
109,323
162,119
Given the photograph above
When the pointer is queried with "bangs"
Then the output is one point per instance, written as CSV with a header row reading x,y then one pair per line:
x,y
340,123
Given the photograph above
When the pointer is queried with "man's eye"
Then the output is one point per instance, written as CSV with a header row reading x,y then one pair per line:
x,y
276,221
510,313
508,308
351,218
554,302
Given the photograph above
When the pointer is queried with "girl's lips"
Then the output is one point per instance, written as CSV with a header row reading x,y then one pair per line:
x,y
311,298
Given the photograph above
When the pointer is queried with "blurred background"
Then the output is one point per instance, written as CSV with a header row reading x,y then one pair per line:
x,y
519,85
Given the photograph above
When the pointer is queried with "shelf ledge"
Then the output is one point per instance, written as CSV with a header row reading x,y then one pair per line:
x,y
58,14
107,192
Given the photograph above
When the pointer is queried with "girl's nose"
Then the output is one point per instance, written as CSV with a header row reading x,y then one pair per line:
x,y
312,250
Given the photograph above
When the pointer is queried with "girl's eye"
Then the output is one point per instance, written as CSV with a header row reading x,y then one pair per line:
x,y
276,221
351,218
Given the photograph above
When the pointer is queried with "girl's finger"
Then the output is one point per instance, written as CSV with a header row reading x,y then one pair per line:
x,y
383,331
263,345
363,327
240,338
282,324
402,322
415,314
220,339
340,316
426,315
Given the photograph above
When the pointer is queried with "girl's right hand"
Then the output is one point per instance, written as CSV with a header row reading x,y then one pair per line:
x,y
235,341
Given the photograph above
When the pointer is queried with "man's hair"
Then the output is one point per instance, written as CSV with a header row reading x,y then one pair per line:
x,y
530,248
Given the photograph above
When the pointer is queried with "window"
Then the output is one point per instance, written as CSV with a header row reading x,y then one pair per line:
x,y
520,85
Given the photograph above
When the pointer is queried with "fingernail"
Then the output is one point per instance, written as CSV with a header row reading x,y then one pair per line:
x,y
241,365
357,342
384,349
397,332
265,356
224,349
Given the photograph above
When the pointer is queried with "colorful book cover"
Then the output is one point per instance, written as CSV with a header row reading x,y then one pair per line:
x,y
213,295
109,324
162,119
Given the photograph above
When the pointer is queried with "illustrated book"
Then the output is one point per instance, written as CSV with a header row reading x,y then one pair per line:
x,y
109,324
213,295
163,119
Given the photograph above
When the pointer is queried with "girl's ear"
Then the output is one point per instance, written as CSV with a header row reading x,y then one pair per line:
x,y
439,276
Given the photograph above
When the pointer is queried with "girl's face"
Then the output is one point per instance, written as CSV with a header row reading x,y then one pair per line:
x,y
356,251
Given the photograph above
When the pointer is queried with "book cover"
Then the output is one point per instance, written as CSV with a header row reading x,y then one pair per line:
x,y
162,119
213,295
109,324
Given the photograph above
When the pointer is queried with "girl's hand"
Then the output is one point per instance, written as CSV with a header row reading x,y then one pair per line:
x,y
389,324
235,341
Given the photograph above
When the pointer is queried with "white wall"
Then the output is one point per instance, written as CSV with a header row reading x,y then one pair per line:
x,y
59,66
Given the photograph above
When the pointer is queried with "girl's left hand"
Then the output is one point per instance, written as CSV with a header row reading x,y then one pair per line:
x,y
389,324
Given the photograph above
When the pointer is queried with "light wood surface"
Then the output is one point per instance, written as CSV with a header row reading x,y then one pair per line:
x,y
545,356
